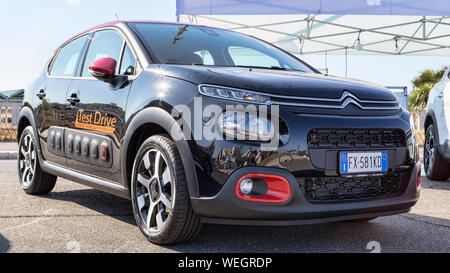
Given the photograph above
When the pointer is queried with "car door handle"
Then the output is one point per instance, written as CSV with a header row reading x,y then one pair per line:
x,y
41,94
73,99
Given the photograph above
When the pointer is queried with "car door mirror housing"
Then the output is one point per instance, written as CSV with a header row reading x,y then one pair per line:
x,y
103,69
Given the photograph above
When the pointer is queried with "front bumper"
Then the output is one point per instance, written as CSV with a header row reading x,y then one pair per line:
x,y
226,208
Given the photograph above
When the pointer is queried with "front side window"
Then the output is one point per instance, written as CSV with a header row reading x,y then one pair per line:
x,y
104,44
66,61
196,45
128,63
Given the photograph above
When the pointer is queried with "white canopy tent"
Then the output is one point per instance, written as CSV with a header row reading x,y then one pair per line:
x,y
322,27
397,27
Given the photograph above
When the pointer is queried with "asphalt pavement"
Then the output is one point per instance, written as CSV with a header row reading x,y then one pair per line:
x,y
75,218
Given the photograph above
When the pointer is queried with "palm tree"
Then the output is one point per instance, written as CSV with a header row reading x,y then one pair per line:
x,y
419,96
422,85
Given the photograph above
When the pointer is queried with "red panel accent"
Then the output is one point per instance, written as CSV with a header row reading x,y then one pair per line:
x,y
103,152
278,189
104,65
419,177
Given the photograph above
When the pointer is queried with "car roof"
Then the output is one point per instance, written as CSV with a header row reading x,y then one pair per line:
x,y
115,23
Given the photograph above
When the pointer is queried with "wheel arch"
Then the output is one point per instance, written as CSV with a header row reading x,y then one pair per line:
x,y
443,148
429,119
26,118
151,121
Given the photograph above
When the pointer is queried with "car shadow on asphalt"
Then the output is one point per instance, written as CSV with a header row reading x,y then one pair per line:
x,y
101,202
328,237
436,185
4,244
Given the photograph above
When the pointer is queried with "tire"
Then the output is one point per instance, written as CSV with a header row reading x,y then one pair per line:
x,y
159,186
31,177
436,167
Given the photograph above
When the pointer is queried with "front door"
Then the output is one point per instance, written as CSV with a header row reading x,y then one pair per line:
x,y
96,114
51,98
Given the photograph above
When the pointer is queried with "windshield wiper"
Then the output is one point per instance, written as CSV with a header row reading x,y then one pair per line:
x,y
244,66
271,67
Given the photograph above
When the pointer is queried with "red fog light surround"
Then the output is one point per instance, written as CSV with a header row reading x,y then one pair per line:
x,y
419,177
277,189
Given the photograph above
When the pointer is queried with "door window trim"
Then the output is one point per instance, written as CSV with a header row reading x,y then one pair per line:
x,y
56,54
84,51
122,52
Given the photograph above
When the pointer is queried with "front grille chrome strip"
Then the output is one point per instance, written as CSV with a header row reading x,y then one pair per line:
x,y
345,99
342,106
345,94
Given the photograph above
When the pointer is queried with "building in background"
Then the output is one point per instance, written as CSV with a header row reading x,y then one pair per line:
x,y
10,103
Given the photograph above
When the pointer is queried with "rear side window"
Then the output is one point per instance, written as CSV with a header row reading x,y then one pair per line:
x,y
104,44
65,63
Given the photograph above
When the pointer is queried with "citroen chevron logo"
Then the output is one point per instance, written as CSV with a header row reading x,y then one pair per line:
x,y
348,101
348,98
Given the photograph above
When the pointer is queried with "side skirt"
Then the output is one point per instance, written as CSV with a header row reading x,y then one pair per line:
x,y
84,179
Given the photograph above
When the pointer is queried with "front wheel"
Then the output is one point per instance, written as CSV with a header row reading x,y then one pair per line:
x,y
159,193
436,167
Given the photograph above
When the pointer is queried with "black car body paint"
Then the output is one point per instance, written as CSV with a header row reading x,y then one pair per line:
x,y
213,167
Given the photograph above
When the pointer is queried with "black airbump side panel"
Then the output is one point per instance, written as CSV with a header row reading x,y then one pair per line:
x,y
55,140
85,147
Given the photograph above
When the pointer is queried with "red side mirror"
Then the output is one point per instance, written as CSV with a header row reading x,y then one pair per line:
x,y
103,69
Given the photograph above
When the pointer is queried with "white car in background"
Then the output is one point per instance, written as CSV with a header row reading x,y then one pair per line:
x,y
436,155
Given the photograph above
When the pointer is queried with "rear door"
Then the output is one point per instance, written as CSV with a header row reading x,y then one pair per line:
x,y
97,116
51,106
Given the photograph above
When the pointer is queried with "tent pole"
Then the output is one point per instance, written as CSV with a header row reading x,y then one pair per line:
x,y
346,62
424,28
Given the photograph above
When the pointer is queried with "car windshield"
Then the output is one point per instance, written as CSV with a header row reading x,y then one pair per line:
x,y
197,45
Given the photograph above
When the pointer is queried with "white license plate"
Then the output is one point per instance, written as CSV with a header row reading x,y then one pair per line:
x,y
362,162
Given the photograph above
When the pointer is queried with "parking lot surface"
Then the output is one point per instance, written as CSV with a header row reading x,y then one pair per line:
x,y
75,218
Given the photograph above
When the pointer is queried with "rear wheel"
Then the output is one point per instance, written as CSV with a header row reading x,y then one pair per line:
x,y
159,193
436,167
31,176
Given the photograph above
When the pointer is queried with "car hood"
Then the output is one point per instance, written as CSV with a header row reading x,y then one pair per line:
x,y
288,83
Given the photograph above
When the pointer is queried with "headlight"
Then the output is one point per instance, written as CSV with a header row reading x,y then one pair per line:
x,y
245,126
233,94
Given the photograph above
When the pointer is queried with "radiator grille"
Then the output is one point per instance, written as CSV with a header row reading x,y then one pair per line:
x,y
337,188
358,138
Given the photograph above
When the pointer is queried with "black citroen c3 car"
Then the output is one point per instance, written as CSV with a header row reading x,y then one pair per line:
x,y
203,125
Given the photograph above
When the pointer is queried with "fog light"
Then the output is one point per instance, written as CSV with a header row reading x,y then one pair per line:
x,y
259,187
246,186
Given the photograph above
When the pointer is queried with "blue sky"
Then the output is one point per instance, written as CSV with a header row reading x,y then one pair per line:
x,y
31,30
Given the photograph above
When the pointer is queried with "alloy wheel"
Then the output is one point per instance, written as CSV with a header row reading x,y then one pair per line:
x,y
27,160
154,190
430,151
